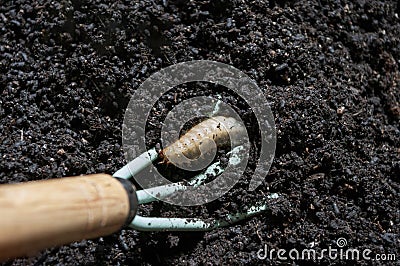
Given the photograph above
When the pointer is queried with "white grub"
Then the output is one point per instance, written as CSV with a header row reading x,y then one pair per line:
x,y
222,130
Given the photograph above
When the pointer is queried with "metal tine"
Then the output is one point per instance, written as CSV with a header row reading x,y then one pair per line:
x,y
190,224
157,193
160,192
137,165
194,224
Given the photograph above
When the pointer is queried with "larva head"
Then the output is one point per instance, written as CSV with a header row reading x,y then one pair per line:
x,y
163,157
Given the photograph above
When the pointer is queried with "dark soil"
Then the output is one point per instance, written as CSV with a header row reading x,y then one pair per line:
x,y
330,71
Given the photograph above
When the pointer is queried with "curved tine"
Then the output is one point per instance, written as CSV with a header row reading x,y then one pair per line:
x,y
160,192
193,224
137,165
170,224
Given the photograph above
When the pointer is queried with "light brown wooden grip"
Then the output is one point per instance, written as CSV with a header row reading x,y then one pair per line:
x,y
42,214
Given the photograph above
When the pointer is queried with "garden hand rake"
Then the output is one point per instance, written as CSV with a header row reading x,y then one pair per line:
x,y
42,214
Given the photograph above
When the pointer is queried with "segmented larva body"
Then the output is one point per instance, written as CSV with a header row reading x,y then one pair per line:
x,y
222,130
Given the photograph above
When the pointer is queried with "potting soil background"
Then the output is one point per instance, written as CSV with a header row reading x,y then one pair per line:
x,y
329,69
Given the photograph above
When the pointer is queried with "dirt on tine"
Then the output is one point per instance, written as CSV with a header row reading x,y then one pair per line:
x,y
329,69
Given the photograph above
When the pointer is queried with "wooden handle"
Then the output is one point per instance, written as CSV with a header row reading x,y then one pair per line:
x,y
42,214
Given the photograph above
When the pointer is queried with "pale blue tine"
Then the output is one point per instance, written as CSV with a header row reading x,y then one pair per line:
x,y
160,192
193,224
137,165
180,224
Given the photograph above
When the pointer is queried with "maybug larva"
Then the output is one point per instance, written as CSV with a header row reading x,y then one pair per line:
x,y
222,130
